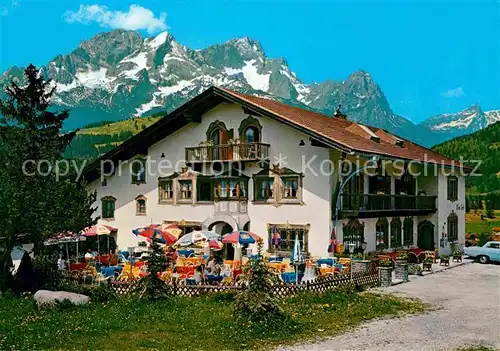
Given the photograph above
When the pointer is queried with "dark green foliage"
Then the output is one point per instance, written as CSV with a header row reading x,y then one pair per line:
x,y
257,303
152,287
34,202
46,271
90,146
483,145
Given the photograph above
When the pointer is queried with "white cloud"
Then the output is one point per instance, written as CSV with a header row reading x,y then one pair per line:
x,y
454,93
137,17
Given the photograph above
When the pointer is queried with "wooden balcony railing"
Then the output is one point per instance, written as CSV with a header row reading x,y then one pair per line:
x,y
229,152
380,203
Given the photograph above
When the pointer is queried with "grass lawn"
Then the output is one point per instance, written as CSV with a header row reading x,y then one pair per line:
x,y
474,224
202,323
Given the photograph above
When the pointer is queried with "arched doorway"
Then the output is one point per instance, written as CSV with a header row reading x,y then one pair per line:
x,y
426,235
224,228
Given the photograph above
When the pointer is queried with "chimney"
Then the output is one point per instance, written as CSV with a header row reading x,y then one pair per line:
x,y
339,114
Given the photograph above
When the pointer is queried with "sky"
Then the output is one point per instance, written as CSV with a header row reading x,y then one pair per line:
x,y
429,57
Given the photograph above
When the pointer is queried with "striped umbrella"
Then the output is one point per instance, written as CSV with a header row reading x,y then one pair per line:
x,y
241,237
97,230
197,238
154,232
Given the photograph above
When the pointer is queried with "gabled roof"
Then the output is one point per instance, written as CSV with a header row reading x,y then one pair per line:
x,y
342,134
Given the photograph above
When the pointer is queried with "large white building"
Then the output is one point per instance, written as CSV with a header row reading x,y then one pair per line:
x,y
226,161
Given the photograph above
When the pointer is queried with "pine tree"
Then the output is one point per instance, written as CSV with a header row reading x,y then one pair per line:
x,y
257,302
152,287
34,202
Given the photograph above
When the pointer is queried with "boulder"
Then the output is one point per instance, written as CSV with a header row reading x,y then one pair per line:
x,y
47,298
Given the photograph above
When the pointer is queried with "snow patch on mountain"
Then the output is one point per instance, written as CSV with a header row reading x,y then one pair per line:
x,y
158,41
140,61
492,116
256,80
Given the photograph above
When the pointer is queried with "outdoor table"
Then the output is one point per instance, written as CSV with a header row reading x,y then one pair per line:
x,y
214,278
185,253
289,277
328,261
110,271
275,259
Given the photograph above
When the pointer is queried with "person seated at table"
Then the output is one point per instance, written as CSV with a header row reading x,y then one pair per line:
x,y
171,255
198,274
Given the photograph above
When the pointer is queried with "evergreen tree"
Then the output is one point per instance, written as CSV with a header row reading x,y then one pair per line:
x,y
34,201
257,302
152,287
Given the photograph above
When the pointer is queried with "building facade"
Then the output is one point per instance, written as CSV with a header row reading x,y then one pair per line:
x,y
227,161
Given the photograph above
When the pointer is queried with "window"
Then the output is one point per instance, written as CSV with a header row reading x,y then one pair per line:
x,y
494,245
408,231
264,188
452,227
108,207
140,202
290,187
250,130
204,189
185,189
251,135
166,188
287,234
230,188
138,171
382,234
452,188
353,232
396,232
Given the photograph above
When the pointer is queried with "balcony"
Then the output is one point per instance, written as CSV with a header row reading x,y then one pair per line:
x,y
375,205
228,152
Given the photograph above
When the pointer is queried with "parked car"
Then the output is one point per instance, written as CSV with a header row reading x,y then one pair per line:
x,y
488,252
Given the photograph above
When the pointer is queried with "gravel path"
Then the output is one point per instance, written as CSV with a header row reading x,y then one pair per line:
x,y
465,311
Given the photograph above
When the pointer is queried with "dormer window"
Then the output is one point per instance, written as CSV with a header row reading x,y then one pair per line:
x,y
138,170
251,135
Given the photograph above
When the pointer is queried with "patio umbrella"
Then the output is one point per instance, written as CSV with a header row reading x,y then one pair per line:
x,y
215,245
197,238
97,230
172,229
297,257
65,238
240,237
154,232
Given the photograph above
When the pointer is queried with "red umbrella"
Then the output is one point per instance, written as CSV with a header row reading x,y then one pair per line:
x,y
241,237
153,231
215,245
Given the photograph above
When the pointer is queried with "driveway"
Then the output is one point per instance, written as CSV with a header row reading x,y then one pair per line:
x,y
465,311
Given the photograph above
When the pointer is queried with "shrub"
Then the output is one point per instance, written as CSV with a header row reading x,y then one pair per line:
x,y
97,293
385,263
402,256
414,269
257,302
46,270
445,257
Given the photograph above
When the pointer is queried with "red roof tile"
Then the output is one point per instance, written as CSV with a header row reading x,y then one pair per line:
x,y
341,131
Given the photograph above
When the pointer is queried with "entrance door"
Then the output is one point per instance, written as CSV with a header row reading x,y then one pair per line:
x,y
426,235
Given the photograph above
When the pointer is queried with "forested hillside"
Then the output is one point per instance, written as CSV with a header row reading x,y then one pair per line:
x,y
483,145
98,138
